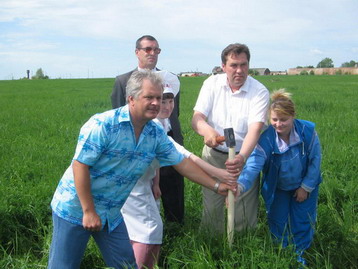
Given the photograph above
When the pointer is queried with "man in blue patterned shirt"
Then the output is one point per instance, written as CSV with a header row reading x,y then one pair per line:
x,y
114,150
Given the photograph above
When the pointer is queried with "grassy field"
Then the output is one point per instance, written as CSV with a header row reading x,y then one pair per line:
x,y
39,124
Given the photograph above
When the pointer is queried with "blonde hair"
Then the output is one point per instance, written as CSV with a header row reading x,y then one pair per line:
x,y
281,103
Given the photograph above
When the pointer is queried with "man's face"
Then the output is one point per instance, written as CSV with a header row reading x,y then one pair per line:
x,y
147,105
147,60
166,108
236,69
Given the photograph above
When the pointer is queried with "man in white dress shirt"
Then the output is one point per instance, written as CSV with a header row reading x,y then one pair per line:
x,y
230,100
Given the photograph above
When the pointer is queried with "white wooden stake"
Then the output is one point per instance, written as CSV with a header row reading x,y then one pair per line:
x,y
231,207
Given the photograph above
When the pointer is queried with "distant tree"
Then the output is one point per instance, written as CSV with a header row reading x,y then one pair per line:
x,y
303,73
253,72
39,74
311,72
307,66
349,64
326,62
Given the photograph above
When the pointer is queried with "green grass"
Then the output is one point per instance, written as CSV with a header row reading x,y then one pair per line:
x,y
39,124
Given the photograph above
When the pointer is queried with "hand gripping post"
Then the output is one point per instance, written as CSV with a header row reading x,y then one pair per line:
x,y
230,143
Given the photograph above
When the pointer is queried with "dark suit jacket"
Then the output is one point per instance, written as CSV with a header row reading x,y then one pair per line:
x,y
119,99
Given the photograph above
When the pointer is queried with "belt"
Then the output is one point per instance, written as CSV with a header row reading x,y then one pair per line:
x,y
222,152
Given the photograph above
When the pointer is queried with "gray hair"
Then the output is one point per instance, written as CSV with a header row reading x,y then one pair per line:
x,y
135,82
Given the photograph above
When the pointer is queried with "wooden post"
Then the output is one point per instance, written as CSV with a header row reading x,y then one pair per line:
x,y
230,143
231,207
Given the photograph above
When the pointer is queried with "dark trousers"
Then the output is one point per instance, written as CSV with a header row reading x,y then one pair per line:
x,y
172,188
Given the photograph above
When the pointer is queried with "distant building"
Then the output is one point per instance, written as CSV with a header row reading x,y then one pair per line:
x,y
276,73
253,71
261,71
324,71
217,70
192,74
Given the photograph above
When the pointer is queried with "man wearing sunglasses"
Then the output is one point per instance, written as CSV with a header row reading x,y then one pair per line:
x,y
171,182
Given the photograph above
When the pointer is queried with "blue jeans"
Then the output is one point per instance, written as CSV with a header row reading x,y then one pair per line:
x,y
293,222
69,242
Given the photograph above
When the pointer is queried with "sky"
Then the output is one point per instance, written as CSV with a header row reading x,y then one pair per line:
x,y
96,39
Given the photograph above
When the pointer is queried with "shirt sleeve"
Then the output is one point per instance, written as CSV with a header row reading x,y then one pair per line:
x,y
313,175
166,152
252,169
258,106
204,103
91,141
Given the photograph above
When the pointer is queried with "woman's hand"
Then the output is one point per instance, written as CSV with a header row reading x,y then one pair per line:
x,y
225,176
224,188
156,191
301,195
237,193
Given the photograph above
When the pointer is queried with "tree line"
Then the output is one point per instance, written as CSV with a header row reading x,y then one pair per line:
x,y
328,62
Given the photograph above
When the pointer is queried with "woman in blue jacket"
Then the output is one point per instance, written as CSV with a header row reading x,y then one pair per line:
x,y
288,154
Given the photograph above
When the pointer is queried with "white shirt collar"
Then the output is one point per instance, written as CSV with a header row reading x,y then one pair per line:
x,y
293,139
143,69
243,88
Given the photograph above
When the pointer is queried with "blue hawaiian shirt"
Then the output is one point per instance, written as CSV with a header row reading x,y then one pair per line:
x,y
107,144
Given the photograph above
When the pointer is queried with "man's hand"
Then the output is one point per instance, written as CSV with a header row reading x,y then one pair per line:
x,y
236,165
91,221
301,195
210,139
200,126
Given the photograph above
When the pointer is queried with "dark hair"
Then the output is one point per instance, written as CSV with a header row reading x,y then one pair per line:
x,y
236,48
146,37
168,95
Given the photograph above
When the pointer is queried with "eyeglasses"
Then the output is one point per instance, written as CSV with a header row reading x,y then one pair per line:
x,y
150,49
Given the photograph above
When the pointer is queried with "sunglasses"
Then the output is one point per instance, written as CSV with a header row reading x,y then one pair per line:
x,y
149,50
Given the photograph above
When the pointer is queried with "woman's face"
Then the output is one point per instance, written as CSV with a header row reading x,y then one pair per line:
x,y
282,123
166,108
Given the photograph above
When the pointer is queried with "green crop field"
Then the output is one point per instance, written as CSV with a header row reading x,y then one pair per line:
x,y
39,124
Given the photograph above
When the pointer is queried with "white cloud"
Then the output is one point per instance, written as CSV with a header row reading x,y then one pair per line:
x,y
282,33
316,52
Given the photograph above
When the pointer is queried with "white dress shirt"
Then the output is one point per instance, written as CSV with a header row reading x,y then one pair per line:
x,y
225,109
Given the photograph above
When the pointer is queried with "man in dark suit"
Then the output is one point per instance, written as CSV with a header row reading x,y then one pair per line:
x,y
171,182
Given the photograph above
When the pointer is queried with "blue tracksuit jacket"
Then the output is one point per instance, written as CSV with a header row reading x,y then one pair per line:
x,y
302,160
